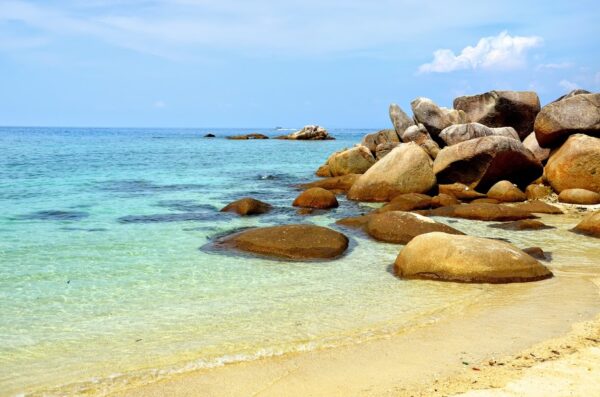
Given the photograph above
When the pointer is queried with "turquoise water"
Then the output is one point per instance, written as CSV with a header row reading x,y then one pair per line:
x,y
105,281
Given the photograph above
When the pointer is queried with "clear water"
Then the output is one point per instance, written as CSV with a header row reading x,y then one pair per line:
x,y
104,282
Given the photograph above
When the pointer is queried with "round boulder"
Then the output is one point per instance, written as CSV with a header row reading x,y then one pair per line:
x,y
356,160
247,206
589,225
579,196
576,165
400,227
505,191
463,132
442,256
316,197
443,200
537,191
297,242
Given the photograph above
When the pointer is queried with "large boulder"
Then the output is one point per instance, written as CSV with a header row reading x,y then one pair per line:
x,y
481,162
370,141
316,197
534,147
515,109
435,118
577,91
579,196
480,212
400,120
337,183
297,242
247,206
589,225
575,165
309,133
442,256
406,169
400,227
463,132
383,149
576,114
419,135
356,160
505,191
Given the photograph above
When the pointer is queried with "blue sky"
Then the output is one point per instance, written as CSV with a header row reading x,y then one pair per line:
x,y
234,63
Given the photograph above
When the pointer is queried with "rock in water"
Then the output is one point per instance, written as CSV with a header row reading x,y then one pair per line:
x,y
316,197
579,196
505,191
538,207
247,206
516,109
406,169
338,183
248,136
463,132
400,120
441,256
443,200
309,133
323,171
532,144
481,162
371,141
356,160
589,225
407,202
435,118
524,224
481,212
576,165
297,242
558,120
400,227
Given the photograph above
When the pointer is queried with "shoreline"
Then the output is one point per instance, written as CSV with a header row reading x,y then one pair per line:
x,y
411,362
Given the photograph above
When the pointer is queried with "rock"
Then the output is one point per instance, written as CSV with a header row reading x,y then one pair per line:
x,y
406,169
248,136
577,91
516,109
384,148
579,196
435,118
356,160
524,224
443,200
323,171
356,222
209,136
431,147
463,132
460,191
305,211
399,119
247,206
297,242
485,200
407,202
481,212
537,191
316,197
536,252
481,162
538,207
400,227
558,120
442,256
341,183
576,165
419,135
589,225
309,133
505,191
370,141
534,147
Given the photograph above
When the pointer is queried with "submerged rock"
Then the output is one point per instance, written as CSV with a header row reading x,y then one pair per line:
x,y
316,197
400,227
356,160
576,165
441,256
579,196
576,114
481,212
524,224
406,169
516,109
355,222
247,206
589,225
463,132
505,191
537,253
297,242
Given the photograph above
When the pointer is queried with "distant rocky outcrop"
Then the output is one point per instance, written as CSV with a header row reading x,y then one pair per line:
x,y
309,133
248,136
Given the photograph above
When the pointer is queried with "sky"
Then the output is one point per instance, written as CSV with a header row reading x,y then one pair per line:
x,y
266,63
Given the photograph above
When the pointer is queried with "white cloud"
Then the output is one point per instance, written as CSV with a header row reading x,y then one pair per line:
x,y
568,85
494,52
555,66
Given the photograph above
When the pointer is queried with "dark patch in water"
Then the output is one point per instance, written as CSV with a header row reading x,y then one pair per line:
x,y
199,229
54,215
165,218
145,187
82,229
185,206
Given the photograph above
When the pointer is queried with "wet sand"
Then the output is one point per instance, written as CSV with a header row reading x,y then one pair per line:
x,y
443,354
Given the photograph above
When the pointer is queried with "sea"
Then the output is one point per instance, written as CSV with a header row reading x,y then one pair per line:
x,y
108,279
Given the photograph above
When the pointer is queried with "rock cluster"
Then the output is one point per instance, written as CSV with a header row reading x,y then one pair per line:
x,y
309,133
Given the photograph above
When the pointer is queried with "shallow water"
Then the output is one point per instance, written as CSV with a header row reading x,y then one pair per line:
x,y
105,282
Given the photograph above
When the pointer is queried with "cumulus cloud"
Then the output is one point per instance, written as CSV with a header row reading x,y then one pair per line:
x,y
568,85
494,52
